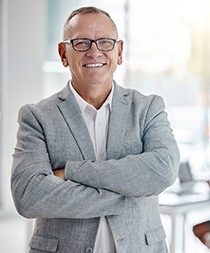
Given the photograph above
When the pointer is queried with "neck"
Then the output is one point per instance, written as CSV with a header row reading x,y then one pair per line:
x,y
94,95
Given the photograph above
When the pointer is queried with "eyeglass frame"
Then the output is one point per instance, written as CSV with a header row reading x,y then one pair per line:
x,y
71,41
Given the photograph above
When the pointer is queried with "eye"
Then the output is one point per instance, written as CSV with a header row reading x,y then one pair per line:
x,y
105,42
81,43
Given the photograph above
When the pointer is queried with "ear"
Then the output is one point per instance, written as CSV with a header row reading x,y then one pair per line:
x,y
62,53
120,52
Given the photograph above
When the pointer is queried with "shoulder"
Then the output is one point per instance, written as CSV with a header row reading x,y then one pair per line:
x,y
44,109
47,104
140,99
42,105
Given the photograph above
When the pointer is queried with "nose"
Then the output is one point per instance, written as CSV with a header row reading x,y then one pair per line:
x,y
93,51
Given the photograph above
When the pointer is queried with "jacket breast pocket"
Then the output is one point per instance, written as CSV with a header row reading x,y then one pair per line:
x,y
155,236
44,244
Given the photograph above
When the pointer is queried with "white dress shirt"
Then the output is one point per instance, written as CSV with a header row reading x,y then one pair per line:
x,y
97,124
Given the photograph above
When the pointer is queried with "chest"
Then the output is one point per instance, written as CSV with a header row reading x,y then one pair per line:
x,y
69,141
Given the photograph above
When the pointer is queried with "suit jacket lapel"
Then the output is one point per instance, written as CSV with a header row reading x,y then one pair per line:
x,y
73,117
117,125
118,121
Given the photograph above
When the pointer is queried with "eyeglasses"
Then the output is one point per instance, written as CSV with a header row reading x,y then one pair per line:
x,y
83,45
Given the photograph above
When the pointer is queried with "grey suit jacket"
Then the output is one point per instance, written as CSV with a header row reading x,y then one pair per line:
x,y
142,160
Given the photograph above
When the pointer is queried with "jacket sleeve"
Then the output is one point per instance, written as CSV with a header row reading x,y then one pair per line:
x,y
144,174
38,193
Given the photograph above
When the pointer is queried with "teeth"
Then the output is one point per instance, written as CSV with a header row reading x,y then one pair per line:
x,y
94,65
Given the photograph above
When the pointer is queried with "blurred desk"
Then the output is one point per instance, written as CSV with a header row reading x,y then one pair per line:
x,y
178,207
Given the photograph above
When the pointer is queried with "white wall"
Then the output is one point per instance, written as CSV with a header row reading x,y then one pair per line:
x,y
24,36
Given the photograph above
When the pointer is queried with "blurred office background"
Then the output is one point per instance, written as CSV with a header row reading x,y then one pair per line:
x,y
167,52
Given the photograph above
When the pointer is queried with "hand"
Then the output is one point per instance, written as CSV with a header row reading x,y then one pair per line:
x,y
59,173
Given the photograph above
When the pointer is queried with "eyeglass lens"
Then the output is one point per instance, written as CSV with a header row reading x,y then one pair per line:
x,y
85,44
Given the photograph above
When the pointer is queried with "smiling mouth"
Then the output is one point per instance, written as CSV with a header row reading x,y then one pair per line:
x,y
94,65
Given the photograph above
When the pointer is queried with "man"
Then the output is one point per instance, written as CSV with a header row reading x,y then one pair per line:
x,y
91,160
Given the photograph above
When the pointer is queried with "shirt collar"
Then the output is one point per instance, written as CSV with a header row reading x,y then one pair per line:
x,y
83,104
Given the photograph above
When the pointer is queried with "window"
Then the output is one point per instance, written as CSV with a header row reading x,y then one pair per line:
x,y
166,52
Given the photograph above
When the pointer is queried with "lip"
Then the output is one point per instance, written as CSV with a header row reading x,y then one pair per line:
x,y
94,65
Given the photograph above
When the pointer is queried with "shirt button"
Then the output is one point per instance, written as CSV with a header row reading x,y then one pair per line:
x,y
89,250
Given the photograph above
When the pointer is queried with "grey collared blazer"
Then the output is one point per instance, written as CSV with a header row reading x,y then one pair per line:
x,y
142,161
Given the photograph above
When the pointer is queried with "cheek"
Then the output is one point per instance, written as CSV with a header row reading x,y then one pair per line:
x,y
73,62
117,58
115,61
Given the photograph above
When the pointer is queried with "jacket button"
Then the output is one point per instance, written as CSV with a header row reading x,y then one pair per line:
x,y
89,250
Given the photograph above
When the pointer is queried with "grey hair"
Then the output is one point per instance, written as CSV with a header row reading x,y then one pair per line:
x,y
86,10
